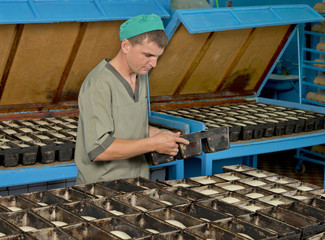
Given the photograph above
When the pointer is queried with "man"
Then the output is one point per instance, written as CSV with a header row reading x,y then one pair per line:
x,y
113,130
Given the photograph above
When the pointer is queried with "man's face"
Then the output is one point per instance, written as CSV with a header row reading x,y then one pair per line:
x,y
142,57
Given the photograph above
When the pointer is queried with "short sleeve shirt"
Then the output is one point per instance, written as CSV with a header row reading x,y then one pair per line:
x,y
108,109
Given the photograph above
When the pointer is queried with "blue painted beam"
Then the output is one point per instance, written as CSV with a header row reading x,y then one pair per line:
x,y
29,175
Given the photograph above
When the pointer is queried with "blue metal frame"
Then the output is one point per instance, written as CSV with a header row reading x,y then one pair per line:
x,y
43,11
35,174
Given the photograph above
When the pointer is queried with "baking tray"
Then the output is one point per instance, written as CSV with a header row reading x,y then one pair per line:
x,y
207,180
239,226
307,225
201,212
225,208
276,200
230,176
70,194
151,224
43,198
96,190
254,192
140,202
116,224
169,215
88,231
115,207
86,210
209,190
181,183
165,197
16,203
121,186
145,183
252,205
57,215
27,218
187,193
237,168
53,234
284,230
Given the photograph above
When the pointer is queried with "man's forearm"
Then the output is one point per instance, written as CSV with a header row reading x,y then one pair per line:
x,y
123,149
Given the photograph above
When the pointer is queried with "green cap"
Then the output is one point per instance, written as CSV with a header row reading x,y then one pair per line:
x,y
140,24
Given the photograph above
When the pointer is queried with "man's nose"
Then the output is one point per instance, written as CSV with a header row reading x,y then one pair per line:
x,y
153,62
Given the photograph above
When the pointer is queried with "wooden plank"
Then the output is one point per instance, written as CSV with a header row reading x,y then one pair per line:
x,y
7,35
39,62
251,66
101,40
213,67
175,62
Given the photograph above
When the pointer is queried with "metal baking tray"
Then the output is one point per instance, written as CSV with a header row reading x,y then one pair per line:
x,y
177,235
165,197
252,205
8,228
115,207
206,180
237,168
151,224
96,190
117,224
145,183
259,173
239,226
224,208
320,193
43,198
231,197
254,192
298,195
57,215
230,176
140,202
70,194
276,200
168,214
232,186
27,218
307,225
207,231
121,186
277,188
89,231
201,212
181,183
53,234
254,181
187,193
281,179
16,203
209,190
304,186
87,210
284,230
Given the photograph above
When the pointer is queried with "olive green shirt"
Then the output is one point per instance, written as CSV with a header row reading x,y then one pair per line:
x,y
108,109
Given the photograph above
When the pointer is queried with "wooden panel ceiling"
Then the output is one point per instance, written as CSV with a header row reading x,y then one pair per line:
x,y
216,65
44,64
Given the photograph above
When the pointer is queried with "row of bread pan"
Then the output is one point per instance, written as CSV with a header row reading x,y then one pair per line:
x,y
39,122
207,141
52,128
29,153
187,217
247,130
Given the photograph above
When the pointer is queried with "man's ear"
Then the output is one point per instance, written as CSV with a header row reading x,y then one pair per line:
x,y
125,46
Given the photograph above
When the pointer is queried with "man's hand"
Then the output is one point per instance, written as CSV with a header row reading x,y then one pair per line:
x,y
166,142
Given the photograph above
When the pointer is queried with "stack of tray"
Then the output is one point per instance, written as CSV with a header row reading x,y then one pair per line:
x,y
39,140
254,120
241,203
